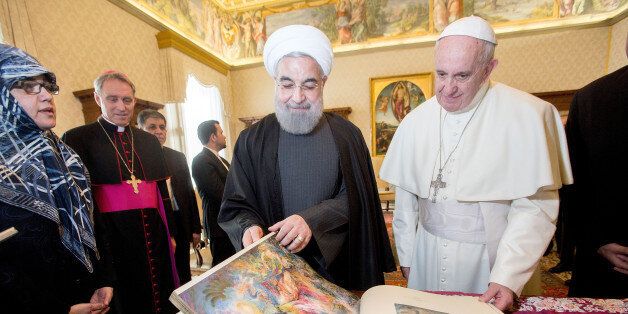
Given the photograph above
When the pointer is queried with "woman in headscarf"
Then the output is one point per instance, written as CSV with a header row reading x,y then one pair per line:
x,y
51,265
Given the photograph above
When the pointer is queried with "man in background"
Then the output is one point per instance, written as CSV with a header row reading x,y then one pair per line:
x,y
597,133
181,191
210,172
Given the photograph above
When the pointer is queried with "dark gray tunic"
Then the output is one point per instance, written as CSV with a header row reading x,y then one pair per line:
x,y
309,168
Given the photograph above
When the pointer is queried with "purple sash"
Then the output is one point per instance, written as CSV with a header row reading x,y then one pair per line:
x,y
120,197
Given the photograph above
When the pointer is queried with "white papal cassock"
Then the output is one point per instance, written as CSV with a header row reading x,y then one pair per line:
x,y
495,217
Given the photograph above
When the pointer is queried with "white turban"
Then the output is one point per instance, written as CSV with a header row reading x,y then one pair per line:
x,y
472,26
298,38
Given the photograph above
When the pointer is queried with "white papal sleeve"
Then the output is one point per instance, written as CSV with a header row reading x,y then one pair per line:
x,y
531,225
405,222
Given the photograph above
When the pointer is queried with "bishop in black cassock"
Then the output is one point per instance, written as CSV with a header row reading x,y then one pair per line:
x,y
136,237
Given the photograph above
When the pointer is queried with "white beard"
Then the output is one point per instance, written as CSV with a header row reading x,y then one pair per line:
x,y
298,122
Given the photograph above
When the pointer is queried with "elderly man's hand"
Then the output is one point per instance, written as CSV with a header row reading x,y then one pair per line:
x,y
617,255
405,271
196,239
252,234
504,297
293,233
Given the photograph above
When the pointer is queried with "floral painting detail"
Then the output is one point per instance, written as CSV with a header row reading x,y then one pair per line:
x,y
264,279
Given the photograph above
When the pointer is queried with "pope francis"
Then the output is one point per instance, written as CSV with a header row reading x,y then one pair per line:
x,y
477,170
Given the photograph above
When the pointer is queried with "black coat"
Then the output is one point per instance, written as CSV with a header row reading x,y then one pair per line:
x,y
253,197
37,273
210,175
597,133
183,191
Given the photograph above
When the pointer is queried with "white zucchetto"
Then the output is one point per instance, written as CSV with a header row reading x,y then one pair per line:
x,y
298,38
472,26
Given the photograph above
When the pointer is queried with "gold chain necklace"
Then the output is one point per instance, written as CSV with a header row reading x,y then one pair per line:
x,y
134,181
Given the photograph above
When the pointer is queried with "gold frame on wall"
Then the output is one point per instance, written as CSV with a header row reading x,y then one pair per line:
x,y
392,98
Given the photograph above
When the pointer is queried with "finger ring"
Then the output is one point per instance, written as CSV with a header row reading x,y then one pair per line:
x,y
299,238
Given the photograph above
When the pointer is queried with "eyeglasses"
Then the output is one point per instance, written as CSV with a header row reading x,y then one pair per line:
x,y
289,87
34,87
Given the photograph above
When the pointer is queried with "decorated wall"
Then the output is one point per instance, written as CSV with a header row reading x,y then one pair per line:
x,y
236,31
618,45
78,42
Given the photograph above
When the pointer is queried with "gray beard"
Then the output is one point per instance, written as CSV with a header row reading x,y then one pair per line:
x,y
298,122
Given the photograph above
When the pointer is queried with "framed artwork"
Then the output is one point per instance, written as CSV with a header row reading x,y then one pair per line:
x,y
392,98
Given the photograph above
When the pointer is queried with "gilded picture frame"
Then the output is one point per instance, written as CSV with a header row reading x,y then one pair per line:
x,y
392,98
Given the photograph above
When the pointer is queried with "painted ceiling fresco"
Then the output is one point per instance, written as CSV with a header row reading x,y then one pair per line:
x,y
236,30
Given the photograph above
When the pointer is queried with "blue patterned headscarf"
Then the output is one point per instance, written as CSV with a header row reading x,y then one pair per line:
x,y
38,172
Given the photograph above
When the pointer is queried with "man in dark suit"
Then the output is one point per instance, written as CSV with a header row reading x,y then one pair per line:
x,y
180,186
209,171
597,135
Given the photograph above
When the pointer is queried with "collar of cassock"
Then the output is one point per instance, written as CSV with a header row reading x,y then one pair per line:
x,y
110,126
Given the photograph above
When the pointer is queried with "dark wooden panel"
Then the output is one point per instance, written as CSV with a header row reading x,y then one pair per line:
x,y
561,99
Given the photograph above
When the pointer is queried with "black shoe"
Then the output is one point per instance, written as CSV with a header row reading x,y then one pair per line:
x,y
559,268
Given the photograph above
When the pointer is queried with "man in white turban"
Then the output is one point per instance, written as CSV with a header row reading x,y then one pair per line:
x,y
476,170
306,174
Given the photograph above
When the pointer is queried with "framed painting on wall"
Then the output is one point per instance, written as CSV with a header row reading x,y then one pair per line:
x,y
392,98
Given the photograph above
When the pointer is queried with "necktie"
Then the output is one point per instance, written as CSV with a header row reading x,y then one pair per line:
x,y
224,162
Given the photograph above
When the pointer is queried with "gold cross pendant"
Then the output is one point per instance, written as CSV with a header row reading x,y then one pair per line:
x,y
134,182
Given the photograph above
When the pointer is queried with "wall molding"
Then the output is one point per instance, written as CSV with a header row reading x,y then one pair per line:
x,y
170,39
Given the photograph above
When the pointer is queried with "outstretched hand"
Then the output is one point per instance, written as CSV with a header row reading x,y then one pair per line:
x,y
88,308
405,271
196,239
293,233
98,304
503,297
252,234
617,255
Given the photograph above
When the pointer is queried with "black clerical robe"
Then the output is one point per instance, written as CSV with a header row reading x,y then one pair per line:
x,y
253,196
137,238
597,133
186,215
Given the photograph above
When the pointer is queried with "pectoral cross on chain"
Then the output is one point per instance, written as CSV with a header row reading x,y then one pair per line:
x,y
438,184
134,182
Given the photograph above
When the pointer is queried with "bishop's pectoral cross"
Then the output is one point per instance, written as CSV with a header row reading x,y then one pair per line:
x,y
134,182
438,184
